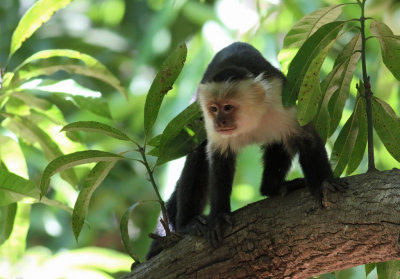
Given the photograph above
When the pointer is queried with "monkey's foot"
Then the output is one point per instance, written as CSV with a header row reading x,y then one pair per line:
x,y
335,185
168,240
331,185
209,227
213,230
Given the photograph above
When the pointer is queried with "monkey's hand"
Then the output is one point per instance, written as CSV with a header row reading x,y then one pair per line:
x,y
168,240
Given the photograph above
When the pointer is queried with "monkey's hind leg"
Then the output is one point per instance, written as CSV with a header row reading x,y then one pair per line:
x,y
315,165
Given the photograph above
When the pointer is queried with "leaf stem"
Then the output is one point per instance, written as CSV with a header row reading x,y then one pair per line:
x,y
164,222
368,92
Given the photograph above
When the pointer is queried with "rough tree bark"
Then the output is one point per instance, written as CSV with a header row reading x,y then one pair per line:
x,y
292,237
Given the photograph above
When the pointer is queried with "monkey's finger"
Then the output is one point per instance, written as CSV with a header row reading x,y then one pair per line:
x,y
202,219
228,219
218,233
211,238
336,185
200,230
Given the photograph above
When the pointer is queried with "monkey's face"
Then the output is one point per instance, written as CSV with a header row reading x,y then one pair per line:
x,y
223,116
231,109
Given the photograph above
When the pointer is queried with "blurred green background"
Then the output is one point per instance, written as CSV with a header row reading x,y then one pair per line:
x,y
132,38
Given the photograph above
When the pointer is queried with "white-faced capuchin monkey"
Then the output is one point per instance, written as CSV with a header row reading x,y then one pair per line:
x,y
240,96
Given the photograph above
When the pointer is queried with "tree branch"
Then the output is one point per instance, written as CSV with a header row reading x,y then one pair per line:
x,y
292,237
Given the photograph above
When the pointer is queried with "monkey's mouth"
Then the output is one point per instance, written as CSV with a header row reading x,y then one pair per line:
x,y
226,130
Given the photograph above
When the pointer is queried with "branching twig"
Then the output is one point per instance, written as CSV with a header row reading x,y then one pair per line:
x,y
367,89
165,222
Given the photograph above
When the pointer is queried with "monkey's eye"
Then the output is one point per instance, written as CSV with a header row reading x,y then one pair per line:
x,y
213,109
228,107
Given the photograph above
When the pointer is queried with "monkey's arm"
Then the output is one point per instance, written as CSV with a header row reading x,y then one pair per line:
x,y
221,171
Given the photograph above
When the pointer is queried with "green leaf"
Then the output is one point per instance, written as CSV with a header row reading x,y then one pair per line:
x,y
390,46
310,91
345,143
90,184
96,127
388,270
339,82
123,226
357,153
47,62
7,218
14,188
181,135
162,83
303,29
71,160
311,48
24,128
38,14
335,88
387,125
154,141
369,268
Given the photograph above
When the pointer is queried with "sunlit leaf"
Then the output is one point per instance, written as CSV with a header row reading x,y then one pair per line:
x,y
47,62
71,160
69,91
181,135
303,29
123,225
96,127
38,14
304,57
310,91
32,101
390,46
162,83
13,159
14,188
97,259
14,248
387,126
7,218
90,184
26,129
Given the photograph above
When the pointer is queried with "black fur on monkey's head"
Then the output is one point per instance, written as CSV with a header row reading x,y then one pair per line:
x,y
231,74
239,61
